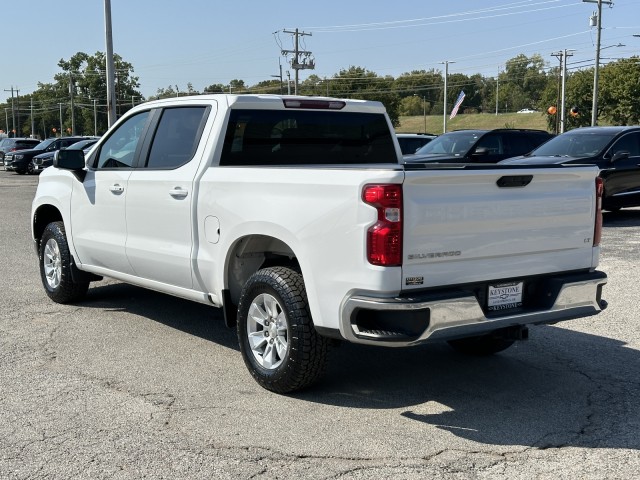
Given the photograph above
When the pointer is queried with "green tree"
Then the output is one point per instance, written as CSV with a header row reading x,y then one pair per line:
x,y
578,99
426,84
357,82
85,75
215,88
522,82
619,98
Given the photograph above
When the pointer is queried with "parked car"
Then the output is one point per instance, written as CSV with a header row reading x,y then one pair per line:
x,y
20,161
527,110
410,142
615,150
479,146
13,144
44,160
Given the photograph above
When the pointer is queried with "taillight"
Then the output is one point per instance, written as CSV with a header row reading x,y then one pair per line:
x,y
597,231
384,238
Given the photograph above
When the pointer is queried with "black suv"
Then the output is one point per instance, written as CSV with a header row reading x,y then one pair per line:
x,y
20,161
13,144
479,146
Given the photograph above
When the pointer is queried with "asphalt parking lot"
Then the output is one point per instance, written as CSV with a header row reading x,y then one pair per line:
x,y
135,384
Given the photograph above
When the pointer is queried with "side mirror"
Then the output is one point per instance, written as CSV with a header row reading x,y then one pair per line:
x,y
69,159
620,155
481,151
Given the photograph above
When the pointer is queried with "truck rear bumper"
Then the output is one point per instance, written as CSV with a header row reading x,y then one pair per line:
x,y
459,311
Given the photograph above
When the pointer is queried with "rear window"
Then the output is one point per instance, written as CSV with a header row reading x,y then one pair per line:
x,y
300,137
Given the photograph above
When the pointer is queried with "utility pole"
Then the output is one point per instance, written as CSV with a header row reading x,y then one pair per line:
x,y
296,64
60,105
95,118
596,72
18,111
111,92
562,56
497,89
444,113
13,111
33,123
73,120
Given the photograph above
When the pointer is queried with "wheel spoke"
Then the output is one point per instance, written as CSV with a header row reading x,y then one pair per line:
x,y
257,341
257,314
271,305
269,356
281,347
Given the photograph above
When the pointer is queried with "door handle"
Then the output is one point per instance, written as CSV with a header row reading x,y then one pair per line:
x,y
178,192
116,188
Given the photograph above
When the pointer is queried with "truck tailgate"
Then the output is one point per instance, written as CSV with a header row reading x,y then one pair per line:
x,y
479,224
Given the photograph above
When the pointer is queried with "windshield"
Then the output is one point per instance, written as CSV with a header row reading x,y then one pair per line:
x,y
44,144
452,143
574,144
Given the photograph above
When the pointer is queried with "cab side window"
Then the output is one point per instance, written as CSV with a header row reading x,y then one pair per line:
x,y
120,148
493,144
176,137
628,143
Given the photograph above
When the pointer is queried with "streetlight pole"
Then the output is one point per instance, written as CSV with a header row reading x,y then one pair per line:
x,y
596,71
111,92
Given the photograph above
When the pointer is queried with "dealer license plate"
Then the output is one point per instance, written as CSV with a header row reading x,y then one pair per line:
x,y
505,296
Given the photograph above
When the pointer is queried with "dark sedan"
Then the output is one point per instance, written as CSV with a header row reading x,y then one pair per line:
x,y
615,150
478,146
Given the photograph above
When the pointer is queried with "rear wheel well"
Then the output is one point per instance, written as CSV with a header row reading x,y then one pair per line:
x,y
252,253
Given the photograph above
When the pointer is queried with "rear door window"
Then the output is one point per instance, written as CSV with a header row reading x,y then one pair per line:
x,y
177,137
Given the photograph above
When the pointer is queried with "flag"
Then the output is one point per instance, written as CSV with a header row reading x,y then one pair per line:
x,y
454,112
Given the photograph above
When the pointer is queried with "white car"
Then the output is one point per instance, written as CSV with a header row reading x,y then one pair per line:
x,y
527,110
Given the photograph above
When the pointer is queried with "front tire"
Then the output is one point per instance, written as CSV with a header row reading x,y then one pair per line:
x,y
278,341
55,266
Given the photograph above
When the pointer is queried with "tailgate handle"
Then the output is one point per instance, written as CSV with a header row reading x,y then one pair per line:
x,y
514,181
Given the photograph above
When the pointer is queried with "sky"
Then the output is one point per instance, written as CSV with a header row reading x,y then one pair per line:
x,y
204,42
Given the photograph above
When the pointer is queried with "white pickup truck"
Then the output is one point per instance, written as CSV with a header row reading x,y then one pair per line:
x,y
298,218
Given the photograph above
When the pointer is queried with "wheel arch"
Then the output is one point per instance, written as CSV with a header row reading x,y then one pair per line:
x,y
249,254
43,216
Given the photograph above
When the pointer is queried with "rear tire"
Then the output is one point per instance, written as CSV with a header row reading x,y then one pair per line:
x,y
55,266
481,346
278,341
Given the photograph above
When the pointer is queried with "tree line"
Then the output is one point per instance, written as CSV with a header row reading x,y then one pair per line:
x,y
76,96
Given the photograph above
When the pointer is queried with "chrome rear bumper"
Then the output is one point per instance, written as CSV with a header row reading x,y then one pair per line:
x,y
444,315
